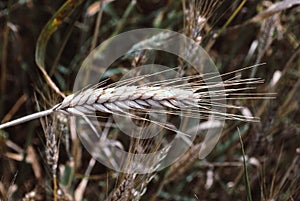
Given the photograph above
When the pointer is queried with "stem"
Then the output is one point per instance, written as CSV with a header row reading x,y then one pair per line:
x,y
27,118
232,17
54,188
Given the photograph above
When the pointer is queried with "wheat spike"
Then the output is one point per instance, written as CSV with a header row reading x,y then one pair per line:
x,y
196,14
52,152
192,98
52,149
123,191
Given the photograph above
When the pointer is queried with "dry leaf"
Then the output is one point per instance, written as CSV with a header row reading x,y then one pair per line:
x,y
277,7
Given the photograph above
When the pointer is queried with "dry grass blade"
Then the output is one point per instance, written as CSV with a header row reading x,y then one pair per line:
x,y
53,24
15,108
82,186
275,8
4,59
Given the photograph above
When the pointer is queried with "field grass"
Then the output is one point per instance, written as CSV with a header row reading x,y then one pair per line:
x,y
45,160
